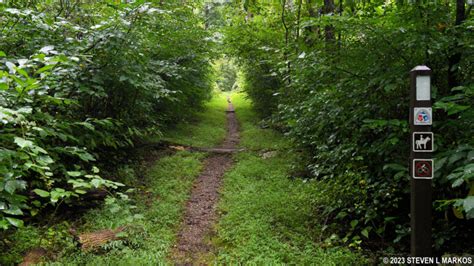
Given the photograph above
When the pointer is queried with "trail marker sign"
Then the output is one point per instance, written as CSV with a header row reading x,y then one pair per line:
x,y
423,116
423,141
422,168
421,163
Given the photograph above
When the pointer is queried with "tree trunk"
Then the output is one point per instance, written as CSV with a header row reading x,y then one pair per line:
x,y
207,8
455,59
298,18
339,38
287,32
311,30
329,30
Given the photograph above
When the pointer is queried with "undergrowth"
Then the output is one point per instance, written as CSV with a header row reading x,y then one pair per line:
x,y
268,217
150,211
151,216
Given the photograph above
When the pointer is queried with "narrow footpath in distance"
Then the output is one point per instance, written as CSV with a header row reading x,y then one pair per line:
x,y
200,213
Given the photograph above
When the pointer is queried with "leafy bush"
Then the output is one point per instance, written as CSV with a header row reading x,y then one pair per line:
x,y
337,83
226,75
79,83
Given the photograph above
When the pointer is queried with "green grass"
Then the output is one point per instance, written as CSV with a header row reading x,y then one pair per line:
x,y
266,217
152,216
152,213
252,136
208,129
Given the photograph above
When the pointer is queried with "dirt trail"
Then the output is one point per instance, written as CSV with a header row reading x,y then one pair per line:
x,y
200,214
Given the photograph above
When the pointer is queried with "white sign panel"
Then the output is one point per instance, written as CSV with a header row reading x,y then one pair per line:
x,y
422,116
423,88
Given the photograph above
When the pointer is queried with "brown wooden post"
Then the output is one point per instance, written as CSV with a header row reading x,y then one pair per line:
x,y
421,163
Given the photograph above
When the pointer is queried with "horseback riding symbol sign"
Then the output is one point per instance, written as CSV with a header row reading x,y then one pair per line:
x,y
423,168
423,116
423,141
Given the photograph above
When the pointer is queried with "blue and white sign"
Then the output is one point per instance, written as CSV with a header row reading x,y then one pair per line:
x,y
423,116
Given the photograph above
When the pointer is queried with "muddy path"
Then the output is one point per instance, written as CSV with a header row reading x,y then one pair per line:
x,y
200,214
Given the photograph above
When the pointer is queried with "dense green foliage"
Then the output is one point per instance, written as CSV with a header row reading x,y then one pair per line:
x,y
333,75
266,218
79,83
226,75
150,210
